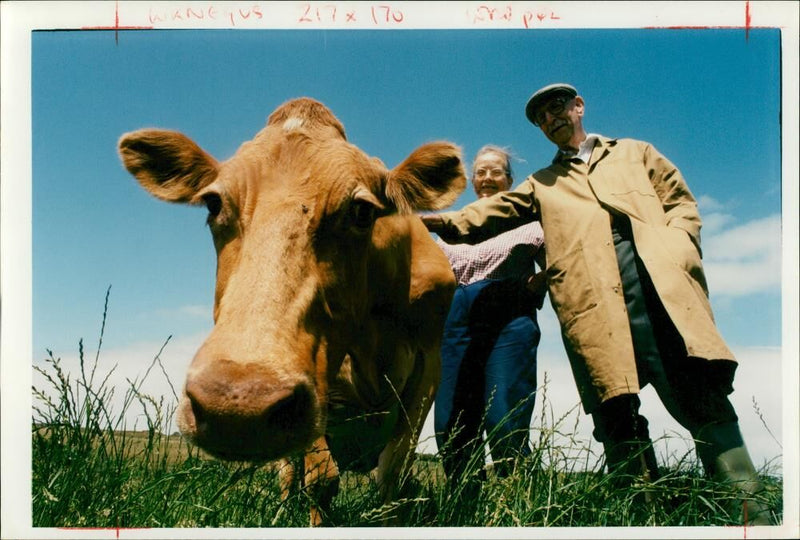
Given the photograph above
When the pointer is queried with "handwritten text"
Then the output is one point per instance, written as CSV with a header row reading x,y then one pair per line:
x,y
209,12
377,14
493,14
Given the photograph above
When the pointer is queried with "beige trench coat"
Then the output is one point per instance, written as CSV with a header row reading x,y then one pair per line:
x,y
573,200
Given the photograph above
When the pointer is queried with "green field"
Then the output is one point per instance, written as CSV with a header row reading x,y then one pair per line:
x,y
89,472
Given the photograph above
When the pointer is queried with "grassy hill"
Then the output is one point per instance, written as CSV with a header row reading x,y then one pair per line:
x,y
87,474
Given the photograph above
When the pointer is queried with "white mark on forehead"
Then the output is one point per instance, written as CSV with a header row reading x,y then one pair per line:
x,y
292,124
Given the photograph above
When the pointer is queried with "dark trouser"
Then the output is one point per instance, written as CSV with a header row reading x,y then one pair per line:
x,y
694,391
488,374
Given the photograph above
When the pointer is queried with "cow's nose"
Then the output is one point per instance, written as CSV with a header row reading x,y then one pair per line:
x,y
245,410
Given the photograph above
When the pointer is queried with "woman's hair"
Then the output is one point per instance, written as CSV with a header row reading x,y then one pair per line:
x,y
503,152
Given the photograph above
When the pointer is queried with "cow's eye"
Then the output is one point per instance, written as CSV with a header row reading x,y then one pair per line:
x,y
363,214
213,203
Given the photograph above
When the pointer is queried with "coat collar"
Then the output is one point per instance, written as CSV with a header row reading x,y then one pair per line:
x,y
599,148
602,148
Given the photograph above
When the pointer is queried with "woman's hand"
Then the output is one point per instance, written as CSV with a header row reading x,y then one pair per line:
x,y
537,283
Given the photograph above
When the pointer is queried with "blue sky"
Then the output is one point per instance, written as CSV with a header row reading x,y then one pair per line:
x,y
709,99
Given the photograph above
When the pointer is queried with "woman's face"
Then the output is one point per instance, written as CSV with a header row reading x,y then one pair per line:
x,y
489,175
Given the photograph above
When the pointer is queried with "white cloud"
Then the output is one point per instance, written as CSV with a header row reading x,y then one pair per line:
x,y
708,204
758,384
757,398
131,364
745,259
713,222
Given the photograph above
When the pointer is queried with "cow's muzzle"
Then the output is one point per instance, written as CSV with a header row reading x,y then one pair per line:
x,y
246,412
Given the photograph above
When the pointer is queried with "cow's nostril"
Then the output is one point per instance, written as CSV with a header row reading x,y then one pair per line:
x,y
295,407
197,409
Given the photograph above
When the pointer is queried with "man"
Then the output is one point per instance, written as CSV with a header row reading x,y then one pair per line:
x,y
626,281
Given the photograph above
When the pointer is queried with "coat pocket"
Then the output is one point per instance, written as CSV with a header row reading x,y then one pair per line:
x,y
570,282
685,255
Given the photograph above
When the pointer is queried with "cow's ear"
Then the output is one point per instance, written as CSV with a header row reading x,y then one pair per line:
x,y
431,178
167,164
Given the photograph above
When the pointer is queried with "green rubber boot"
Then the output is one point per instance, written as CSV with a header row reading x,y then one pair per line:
x,y
726,460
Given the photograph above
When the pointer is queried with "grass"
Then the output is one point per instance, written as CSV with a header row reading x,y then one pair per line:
x,y
89,471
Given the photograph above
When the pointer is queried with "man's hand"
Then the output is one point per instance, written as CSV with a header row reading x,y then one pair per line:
x,y
433,222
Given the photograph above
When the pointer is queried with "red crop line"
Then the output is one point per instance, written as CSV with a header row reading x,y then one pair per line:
x,y
117,529
748,18
117,27
103,528
708,27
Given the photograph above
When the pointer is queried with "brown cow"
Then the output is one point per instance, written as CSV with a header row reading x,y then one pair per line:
x,y
330,295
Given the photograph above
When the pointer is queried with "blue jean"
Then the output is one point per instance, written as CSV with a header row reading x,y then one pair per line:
x,y
488,379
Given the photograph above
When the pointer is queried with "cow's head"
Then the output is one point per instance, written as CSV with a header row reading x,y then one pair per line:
x,y
292,216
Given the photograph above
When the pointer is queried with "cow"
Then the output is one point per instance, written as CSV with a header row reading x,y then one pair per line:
x,y
330,295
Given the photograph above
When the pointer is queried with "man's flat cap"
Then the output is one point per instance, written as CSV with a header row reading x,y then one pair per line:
x,y
543,94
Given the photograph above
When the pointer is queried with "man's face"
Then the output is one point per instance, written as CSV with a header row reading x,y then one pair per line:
x,y
559,117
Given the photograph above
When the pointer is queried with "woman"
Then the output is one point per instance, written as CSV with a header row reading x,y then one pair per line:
x,y
490,337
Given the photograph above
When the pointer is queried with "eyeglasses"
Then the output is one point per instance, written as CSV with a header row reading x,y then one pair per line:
x,y
554,106
491,173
